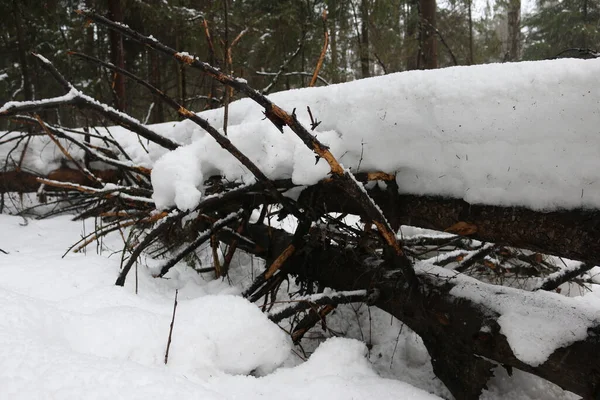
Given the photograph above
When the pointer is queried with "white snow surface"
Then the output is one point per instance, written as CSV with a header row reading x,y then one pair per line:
x,y
67,332
523,134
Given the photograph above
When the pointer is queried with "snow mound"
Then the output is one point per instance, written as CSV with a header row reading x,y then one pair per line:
x,y
68,333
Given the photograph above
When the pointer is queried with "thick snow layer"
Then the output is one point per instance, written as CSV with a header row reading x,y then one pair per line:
x,y
67,332
524,134
534,323
505,134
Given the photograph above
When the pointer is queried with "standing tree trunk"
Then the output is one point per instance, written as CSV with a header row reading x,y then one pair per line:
x,y
158,114
333,17
364,39
117,53
428,42
412,48
470,32
22,47
514,29
584,31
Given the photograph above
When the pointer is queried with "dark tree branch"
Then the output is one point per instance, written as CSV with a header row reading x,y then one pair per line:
x,y
222,140
451,327
553,281
75,98
279,118
308,302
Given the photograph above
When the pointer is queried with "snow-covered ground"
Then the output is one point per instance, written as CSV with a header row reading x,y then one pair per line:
x,y
67,332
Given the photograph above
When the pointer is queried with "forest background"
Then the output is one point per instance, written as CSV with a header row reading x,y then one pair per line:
x,y
273,44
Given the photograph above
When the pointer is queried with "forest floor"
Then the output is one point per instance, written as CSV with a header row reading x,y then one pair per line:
x,y
68,332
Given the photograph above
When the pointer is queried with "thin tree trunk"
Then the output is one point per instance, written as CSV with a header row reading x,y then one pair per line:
x,y
333,16
158,114
22,46
412,46
584,31
117,53
514,29
428,42
364,39
471,32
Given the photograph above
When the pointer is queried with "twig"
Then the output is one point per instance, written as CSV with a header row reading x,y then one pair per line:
x,y
295,73
314,123
171,327
214,244
356,296
82,169
202,238
553,281
282,68
148,240
323,51
311,320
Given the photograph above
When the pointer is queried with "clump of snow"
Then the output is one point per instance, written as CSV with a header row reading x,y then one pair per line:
x,y
176,178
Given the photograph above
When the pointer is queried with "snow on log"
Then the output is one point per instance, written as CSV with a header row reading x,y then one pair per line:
x,y
522,134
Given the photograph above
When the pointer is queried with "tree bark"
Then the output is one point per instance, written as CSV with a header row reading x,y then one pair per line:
x,y
412,44
23,56
117,54
574,234
364,39
428,42
514,29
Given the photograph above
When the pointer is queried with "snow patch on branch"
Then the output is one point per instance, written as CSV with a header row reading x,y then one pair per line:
x,y
535,324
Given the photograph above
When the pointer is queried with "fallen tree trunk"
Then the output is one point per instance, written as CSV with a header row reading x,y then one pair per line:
x,y
573,234
463,336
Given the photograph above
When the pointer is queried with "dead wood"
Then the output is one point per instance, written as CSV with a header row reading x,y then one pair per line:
x,y
463,354
574,234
